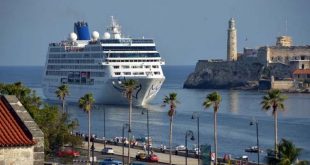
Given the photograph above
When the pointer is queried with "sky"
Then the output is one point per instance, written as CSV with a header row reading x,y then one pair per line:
x,y
185,31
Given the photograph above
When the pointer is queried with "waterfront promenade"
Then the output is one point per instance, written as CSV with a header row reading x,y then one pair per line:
x,y
163,157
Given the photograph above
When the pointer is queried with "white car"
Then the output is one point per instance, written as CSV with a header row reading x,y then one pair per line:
x,y
107,151
180,147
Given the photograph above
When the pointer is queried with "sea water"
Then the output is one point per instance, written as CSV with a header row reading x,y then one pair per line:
x,y
237,109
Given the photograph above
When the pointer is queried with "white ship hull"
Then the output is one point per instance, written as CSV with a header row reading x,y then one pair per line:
x,y
109,92
100,66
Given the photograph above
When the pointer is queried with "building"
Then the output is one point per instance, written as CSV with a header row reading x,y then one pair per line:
x,y
232,41
284,41
302,74
21,140
285,53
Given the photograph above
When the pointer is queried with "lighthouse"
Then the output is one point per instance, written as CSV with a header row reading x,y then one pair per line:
x,y
232,41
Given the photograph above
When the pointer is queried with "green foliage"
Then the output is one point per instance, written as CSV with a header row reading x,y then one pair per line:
x,y
86,102
214,99
129,86
57,127
171,100
61,92
274,99
288,154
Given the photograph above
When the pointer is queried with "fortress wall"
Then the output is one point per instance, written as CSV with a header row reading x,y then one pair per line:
x,y
285,54
282,85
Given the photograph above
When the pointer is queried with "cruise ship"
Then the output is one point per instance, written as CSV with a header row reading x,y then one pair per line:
x,y
100,65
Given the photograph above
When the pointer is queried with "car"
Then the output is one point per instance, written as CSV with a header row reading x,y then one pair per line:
x,y
180,148
110,161
68,152
141,156
152,158
107,150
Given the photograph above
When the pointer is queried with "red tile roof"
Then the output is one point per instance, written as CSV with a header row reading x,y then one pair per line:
x,y
13,132
301,71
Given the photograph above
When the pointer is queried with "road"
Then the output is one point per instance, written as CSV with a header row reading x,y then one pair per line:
x,y
163,157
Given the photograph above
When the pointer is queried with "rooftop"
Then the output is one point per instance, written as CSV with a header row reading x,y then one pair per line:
x,y
301,71
13,132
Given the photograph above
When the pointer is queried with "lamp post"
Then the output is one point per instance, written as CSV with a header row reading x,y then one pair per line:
x,y
92,149
257,141
123,140
196,116
188,133
148,130
104,142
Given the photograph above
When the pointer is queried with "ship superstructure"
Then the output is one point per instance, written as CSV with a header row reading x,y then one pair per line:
x,y
101,65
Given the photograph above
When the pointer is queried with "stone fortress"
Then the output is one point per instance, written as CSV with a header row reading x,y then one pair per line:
x,y
282,66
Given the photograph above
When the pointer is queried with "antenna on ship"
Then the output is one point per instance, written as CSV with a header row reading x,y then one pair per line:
x,y
115,29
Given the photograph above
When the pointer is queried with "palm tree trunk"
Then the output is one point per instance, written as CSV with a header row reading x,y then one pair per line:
x,y
170,140
88,135
129,131
276,133
215,138
63,106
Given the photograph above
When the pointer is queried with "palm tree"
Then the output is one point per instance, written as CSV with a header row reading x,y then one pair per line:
x,y
288,151
214,99
86,103
129,87
170,100
61,92
274,99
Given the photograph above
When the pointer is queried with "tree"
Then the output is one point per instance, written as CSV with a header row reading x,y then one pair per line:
x,y
170,100
129,87
288,152
214,99
61,92
274,99
86,102
57,128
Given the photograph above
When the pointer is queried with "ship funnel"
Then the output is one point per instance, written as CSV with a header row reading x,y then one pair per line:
x,y
81,29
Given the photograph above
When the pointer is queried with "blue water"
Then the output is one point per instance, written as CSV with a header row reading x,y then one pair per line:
x,y
237,109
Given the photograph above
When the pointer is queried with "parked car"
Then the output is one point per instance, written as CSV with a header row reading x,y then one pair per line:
x,y
180,148
110,161
141,156
68,152
152,158
107,150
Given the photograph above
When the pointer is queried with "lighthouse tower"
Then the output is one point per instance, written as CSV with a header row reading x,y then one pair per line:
x,y
232,41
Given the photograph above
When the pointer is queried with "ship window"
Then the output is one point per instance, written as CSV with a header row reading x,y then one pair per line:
x,y
117,73
138,73
127,73
147,66
125,66
116,67
137,66
155,66
157,73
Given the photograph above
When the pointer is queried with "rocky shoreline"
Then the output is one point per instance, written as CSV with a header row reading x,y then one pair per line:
x,y
241,75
